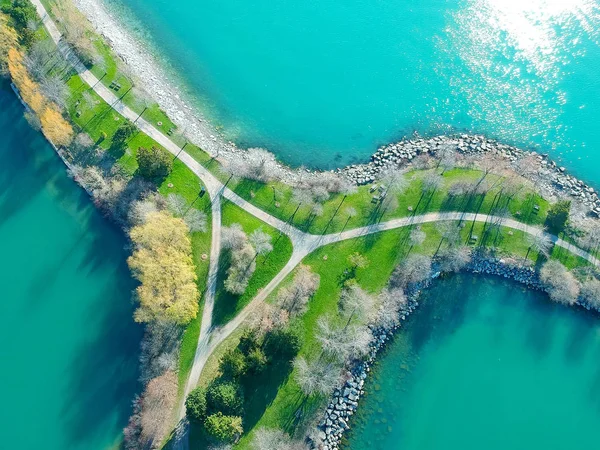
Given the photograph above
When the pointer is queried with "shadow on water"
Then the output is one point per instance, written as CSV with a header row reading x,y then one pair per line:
x,y
103,370
19,147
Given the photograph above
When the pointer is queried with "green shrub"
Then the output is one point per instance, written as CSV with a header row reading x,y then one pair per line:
x,y
256,361
195,405
223,428
21,12
102,138
283,342
233,364
154,163
225,397
249,341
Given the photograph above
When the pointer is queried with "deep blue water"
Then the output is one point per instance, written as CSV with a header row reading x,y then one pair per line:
x,y
69,353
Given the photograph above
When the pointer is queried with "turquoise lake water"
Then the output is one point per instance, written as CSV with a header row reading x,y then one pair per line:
x,y
69,345
325,82
484,364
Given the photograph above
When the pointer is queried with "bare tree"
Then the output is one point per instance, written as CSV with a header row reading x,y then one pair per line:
x,y
392,302
302,196
540,242
319,193
261,242
459,188
454,259
447,156
356,303
431,182
141,209
295,297
37,59
55,89
243,265
236,167
267,317
491,163
350,213
316,377
591,236
415,268
159,349
395,180
158,401
449,231
196,220
560,284
77,30
343,343
417,236
422,162
275,439
177,204
528,166
261,165
316,210
233,237
590,292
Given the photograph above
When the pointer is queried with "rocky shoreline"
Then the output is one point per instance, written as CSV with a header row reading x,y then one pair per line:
x,y
345,399
551,178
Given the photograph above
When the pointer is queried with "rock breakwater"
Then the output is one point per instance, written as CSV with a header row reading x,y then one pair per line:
x,y
345,399
546,174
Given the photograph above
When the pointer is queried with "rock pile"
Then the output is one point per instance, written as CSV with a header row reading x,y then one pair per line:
x,y
549,177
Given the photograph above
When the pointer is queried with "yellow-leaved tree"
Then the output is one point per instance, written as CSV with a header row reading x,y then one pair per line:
x,y
162,262
8,40
54,125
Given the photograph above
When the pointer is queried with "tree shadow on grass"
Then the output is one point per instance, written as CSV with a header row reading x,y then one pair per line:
x,y
225,303
260,390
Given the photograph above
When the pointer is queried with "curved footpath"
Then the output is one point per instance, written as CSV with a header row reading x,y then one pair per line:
x,y
303,243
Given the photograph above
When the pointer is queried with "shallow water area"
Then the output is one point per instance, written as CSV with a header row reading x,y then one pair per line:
x,y
484,363
324,83
69,344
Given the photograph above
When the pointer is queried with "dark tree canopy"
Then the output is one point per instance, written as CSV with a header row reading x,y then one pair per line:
x,y
123,133
225,397
558,216
233,364
195,405
154,164
283,341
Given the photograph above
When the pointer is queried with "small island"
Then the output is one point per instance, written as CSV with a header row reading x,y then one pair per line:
x,y
266,292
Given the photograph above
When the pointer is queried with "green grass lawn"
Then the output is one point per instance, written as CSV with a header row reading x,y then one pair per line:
x,y
228,305
277,199
290,410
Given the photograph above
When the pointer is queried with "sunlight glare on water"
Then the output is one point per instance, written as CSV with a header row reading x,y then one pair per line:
x,y
325,83
518,54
